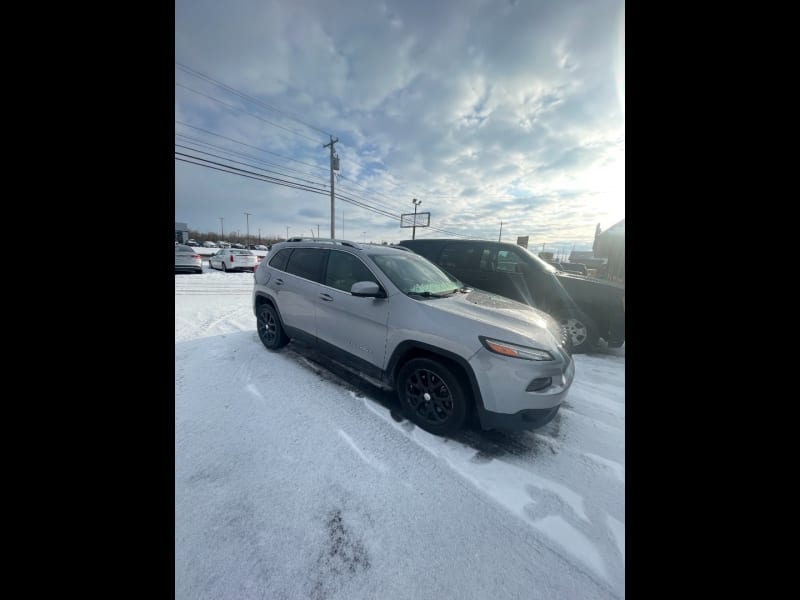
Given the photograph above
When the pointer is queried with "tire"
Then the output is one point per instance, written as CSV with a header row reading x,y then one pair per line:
x,y
431,396
224,266
582,335
270,330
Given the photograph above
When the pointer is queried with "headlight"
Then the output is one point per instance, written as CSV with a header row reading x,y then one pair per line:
x,y
513,350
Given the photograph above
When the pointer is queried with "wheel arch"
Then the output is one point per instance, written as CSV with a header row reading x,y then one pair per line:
x,y
264,298
410,349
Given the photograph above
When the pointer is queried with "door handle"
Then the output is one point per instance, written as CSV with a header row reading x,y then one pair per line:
x,y
326,297
279,281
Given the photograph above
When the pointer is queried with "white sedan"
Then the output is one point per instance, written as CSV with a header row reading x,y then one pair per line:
x,y
233,259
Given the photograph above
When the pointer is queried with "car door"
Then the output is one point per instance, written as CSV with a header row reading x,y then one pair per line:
x,y
510,268
298,288
356,325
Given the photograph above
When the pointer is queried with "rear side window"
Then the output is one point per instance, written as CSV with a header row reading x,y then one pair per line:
x,y
344,270
307,263
460,256
280,259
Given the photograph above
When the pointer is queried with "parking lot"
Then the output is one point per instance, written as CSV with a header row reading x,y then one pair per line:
x,y
294,478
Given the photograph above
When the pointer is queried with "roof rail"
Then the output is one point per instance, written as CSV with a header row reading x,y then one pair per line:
x,y
324,241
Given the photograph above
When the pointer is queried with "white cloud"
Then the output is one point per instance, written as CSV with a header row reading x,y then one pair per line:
x,y
486,111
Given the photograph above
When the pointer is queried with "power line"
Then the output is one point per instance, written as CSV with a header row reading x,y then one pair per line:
x,y
249,145
210,79
236,171
246,164
208,164
274,180
247,112
258,178
199,142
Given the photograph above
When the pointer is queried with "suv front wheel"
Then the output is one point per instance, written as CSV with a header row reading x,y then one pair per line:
x,y
582,335
269,328
432,396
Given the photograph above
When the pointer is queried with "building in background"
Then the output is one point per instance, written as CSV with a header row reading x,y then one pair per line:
x,y
610,244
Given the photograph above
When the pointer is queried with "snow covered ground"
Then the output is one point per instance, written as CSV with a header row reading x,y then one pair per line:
x,y
295,479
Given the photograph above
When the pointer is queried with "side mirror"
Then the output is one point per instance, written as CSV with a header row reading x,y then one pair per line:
x,y
367,289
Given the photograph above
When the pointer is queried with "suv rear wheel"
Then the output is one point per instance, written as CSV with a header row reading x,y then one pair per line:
x,y
270,331
432,396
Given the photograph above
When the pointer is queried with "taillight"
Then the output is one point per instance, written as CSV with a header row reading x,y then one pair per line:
x,y
195,256
231,257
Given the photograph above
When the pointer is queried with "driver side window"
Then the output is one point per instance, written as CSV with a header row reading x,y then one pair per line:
x,y
344,270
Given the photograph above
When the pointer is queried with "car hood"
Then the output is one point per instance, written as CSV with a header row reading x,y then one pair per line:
x,y
500,312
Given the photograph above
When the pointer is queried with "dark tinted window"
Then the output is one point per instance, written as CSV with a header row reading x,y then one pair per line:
x,y
306,263
280,259
461,256
508,261
344,270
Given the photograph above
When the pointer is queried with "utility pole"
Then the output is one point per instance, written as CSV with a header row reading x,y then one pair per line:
x,y
500,239
317,230
221,230
247,214
342,224
287,233
331,143
259,235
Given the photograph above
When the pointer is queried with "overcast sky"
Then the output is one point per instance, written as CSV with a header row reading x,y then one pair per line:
x,y
485,110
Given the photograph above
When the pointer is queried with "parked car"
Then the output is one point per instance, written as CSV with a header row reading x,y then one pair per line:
x,y
394,316
233,259
192,242
223,244
239,246
260,247
186,259
586,311
209,244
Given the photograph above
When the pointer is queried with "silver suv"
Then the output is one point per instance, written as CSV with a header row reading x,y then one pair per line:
x,y
394,316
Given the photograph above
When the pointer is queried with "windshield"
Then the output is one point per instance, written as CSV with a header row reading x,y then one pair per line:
x,y
413,274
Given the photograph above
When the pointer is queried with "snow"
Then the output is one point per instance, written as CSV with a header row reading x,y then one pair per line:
x,y
295,479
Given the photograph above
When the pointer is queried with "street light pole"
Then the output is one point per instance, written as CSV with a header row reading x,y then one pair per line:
x,y
221,230
287,233
247,214
414,229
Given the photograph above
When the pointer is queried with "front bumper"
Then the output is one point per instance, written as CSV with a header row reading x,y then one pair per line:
x,y
520,391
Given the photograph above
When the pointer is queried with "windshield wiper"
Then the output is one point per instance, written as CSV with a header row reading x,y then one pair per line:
x,y
432,294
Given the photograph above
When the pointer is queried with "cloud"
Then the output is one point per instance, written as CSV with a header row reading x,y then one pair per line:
x,y
486,111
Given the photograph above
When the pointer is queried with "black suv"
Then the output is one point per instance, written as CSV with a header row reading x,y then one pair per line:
x,y
587,311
